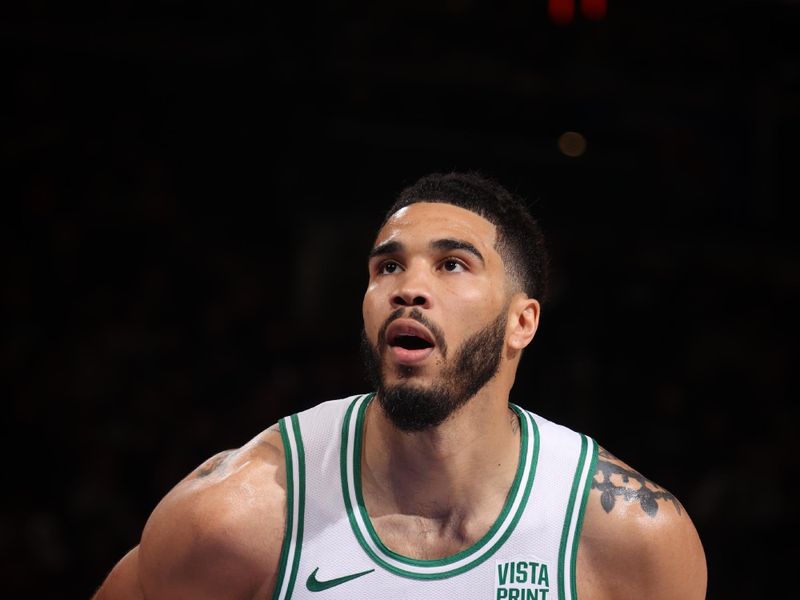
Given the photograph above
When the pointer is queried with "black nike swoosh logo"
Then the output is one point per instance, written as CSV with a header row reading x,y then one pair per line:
x,y
315,585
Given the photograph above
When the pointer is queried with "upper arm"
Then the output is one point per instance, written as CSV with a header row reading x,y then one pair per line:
x,y
216,535
122,582
638,540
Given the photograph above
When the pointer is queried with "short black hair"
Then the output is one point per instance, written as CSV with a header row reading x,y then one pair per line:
x,y
520,240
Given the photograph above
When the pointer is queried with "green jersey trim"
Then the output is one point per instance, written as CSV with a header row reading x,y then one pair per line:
x,y
352,439
573,522
295,507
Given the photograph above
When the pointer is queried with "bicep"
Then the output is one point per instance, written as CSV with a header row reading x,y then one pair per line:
x,y
122,582
643,562
677,565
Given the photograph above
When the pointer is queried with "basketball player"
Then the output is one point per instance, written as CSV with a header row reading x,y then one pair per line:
x,y
435,486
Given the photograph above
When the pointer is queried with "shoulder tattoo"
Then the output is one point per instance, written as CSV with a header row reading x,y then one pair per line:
x,y
613,479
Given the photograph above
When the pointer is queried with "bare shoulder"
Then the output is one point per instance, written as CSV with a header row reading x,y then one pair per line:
x,y
637,540
218,533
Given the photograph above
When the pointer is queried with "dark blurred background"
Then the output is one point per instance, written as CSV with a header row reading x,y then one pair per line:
x,y
190,190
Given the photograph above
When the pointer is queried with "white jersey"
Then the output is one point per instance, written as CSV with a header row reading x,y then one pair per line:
x,y
331,550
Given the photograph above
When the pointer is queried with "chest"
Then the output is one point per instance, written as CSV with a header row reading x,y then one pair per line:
x,y
333,543
429,539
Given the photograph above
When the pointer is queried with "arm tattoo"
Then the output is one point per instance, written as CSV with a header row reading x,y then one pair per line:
x,y
644,493
212,464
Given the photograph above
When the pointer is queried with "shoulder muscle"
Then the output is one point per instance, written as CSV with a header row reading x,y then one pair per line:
x,y
638,540
218,533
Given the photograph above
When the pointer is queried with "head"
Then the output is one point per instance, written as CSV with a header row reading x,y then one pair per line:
x,y
520,241
456,274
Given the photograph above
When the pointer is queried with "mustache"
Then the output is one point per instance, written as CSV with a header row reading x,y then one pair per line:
x,y
416,315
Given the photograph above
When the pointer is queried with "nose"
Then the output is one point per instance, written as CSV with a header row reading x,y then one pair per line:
x,y
411,291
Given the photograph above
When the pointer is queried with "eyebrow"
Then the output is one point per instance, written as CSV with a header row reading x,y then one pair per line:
x,y
394,247
451,244
385,248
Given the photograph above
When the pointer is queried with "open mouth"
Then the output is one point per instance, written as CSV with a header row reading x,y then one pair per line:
x,y
408,341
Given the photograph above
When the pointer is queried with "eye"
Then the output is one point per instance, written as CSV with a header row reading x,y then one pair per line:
x,y
388,267
453,265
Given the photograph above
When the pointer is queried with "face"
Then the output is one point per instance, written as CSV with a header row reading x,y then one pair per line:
x,y
434,312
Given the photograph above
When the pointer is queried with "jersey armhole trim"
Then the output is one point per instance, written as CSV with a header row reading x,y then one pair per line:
x,y
573,522
295,506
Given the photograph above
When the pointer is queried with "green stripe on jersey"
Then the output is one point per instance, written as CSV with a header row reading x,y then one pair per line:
x,y
573,521
295,507
352,440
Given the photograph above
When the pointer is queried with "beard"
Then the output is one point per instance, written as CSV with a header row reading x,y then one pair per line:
x,y
412,407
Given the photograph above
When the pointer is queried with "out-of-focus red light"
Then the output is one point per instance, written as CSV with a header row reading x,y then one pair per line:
x,y
561,11
594,9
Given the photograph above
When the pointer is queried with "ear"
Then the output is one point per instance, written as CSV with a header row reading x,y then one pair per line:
x,y
523,320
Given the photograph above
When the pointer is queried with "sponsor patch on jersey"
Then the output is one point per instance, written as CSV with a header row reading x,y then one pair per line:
x,y
522,579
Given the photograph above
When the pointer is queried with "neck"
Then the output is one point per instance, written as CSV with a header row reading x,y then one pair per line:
x,y
461,468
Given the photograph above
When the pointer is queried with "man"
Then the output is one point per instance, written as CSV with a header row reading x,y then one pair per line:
x,y
435,486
